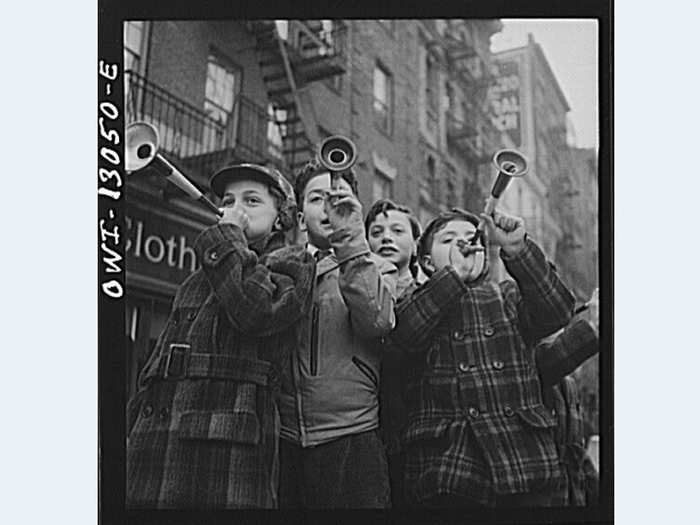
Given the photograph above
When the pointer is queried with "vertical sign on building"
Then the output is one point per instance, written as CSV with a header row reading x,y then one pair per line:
x,y
505,100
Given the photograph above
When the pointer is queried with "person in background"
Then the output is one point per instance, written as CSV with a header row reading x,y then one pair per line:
x,y
478,433
203,427
392,232
331,454
557,357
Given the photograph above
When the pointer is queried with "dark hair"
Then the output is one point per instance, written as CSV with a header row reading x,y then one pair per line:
x,y
312,169
437,224
382,206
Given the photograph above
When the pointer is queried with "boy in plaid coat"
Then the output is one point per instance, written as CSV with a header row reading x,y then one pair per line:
x,y
204,425
478,433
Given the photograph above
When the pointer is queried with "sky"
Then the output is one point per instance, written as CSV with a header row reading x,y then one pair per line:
x,y
571,48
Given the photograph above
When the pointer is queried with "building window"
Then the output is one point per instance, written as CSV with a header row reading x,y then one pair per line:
x,y
452,197
133,42
221,87
275,130
433,181
432,92
383,88
382,186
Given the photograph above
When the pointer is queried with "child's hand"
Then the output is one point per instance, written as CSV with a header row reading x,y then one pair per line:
x,y
342,208
506,231
234,215
467,260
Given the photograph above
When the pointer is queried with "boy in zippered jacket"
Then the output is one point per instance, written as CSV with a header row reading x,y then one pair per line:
x,y
478,433
331,455
203,429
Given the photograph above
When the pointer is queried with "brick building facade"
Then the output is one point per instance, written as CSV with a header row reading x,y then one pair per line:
x,y
414,95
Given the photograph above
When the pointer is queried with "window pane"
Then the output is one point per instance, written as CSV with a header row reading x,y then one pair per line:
x,y
133,35
379,85
219,89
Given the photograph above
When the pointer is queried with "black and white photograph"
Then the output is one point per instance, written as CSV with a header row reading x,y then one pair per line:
x,y
355,264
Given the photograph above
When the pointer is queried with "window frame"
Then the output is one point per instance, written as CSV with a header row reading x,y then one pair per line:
x,y
225,63
387,106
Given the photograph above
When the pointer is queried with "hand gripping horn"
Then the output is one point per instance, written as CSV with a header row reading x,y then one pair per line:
x,y
142,150
337,154
509,163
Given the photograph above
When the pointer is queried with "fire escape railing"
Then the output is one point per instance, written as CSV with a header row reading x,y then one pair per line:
x,y
197,141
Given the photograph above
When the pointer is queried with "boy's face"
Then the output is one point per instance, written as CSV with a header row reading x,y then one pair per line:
x,y
390,236
255,200
313,219
444,250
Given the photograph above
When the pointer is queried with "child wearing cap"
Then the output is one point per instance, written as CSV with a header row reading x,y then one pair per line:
x,y
478,433
204,425
331,454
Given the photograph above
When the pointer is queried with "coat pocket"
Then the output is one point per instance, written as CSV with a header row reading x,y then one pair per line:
x,y
538,416
366,370
519,449
235,426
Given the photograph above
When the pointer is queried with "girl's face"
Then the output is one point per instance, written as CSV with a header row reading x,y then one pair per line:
x,y
391,237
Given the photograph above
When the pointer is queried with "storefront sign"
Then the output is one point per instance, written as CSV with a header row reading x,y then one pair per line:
x,y
505,100
159,247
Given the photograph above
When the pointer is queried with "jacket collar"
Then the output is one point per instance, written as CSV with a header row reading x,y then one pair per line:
x,y
272,242
326,264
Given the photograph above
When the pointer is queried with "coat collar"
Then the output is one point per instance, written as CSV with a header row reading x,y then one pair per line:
x,y
325,265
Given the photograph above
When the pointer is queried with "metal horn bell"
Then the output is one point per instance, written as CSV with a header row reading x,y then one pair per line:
x,y
141,145
141,150
337,153
509,163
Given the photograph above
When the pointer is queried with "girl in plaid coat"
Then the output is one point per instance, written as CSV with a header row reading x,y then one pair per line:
x,y
204,425
478,433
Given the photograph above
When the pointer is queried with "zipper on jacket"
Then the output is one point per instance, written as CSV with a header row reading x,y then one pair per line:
x,y
313,357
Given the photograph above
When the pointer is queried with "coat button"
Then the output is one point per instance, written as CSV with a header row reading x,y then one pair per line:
x,y
488,332
457,335
498,365
464,366
473,412
147,411
213,255
509,412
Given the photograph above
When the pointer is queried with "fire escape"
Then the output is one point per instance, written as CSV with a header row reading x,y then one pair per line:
x,y
475,135
293,54
198,143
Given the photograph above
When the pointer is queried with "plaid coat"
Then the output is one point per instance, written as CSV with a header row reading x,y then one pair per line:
x,y
555,360
477,425
204,424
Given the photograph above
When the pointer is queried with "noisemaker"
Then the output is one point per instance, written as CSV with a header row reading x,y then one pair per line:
x,y
337,154
142,150
509,163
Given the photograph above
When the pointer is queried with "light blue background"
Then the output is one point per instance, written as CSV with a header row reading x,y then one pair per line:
x,y
48,371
